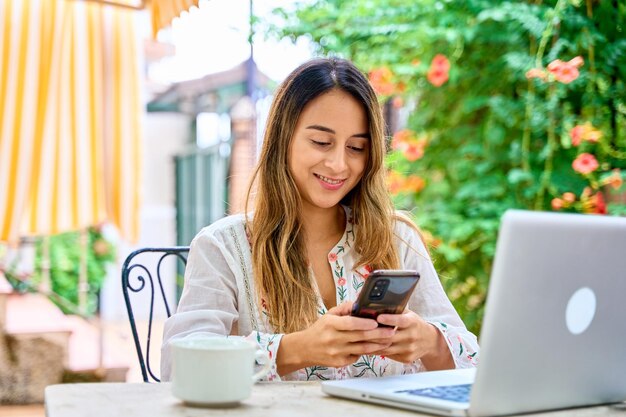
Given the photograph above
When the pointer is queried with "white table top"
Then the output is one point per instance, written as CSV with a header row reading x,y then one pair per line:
x,y
268,399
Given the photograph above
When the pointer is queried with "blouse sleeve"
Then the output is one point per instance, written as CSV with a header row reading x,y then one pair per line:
x,y
430,301
209,301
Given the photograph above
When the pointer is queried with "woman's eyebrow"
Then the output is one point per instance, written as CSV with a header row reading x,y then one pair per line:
x,y
329,130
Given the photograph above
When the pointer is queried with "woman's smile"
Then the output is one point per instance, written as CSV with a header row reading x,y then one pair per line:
x,y
330,183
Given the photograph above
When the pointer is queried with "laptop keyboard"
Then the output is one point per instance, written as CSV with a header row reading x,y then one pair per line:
x,y
457,393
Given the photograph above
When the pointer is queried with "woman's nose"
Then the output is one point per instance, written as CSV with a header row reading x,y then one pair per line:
x,y
336,160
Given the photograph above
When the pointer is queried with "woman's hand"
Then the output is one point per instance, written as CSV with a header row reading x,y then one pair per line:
x,y
336,339
416,339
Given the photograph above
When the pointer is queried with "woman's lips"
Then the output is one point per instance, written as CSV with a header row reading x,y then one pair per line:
x,y
329,183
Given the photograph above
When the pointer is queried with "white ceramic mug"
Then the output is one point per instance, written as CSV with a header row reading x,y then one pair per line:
x,y
215,371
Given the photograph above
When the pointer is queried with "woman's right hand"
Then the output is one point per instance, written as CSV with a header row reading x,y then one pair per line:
x,y
336,339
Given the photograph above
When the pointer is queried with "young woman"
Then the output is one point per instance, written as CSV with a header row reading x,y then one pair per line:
x,y
286,273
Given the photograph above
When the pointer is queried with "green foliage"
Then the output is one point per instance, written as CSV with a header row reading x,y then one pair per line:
x,y
496,137
65,260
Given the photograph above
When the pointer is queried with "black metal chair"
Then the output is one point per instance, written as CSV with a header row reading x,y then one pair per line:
x,y
144,266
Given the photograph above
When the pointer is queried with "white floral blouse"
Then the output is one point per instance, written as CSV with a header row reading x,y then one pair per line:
x,y
218,299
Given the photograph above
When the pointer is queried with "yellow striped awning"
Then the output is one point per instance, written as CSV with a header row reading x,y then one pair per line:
x,y
164,11
70,118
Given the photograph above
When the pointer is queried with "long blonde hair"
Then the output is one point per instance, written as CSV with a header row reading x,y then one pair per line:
x,y
279,256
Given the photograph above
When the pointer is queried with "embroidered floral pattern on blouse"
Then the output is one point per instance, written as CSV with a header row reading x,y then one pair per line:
x,y
340,282
335,258
364,271
316,373
465,358
357,283
268,342
342,373
371,365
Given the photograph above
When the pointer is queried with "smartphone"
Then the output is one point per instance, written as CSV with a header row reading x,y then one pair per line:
x,y
386,291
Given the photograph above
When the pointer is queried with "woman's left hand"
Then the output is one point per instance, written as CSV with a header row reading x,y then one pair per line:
x,y
416,339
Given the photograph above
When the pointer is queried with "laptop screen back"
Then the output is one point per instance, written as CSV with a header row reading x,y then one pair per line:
x,y
555,322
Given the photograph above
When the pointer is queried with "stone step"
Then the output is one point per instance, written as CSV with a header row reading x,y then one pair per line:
x,y
33,319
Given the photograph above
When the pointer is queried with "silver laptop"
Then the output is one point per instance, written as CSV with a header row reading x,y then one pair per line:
x,y
554,332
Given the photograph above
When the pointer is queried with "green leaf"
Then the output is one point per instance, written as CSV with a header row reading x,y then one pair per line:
x,y
517,175
451,253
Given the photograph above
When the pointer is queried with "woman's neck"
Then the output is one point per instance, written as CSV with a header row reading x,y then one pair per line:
x,y
323,224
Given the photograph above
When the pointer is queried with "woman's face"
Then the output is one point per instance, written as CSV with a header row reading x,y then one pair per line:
x,y
329,149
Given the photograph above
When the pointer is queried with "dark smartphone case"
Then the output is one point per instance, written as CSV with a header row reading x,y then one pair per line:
x,y
398,286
